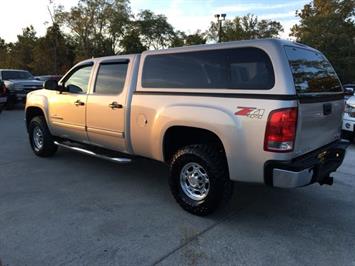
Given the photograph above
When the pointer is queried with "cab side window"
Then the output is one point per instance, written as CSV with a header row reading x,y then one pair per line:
x,y
78,82
111,78
246,68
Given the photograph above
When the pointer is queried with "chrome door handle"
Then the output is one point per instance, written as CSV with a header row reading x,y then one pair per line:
x,y
115,105
79,103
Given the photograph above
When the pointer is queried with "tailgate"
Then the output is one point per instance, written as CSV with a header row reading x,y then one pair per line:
x,y
319,124
321,102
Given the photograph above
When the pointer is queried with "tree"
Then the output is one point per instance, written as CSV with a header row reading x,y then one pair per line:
x,y
131,43
97,25
20,54
3,53
195,38
178,39
53,53
154,30
245,28
328,25
181,39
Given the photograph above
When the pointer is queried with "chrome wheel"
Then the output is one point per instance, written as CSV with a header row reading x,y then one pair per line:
x,y
37,138
194,181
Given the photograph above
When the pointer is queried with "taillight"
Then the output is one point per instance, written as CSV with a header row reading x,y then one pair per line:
x,y
281,130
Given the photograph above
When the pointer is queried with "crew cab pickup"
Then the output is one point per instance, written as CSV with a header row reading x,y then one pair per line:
x,y
259,111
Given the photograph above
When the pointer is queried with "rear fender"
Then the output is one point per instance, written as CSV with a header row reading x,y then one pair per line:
x,y
219,121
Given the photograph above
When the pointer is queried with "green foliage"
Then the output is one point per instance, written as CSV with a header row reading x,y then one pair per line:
x,y
245,28
328,25
131,43
107,27
52,53
20,53
3,53
154,30
97,25
181,39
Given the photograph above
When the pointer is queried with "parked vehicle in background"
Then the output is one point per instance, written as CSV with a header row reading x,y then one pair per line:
x,y
259,111
3,95
48,77
349,90
349,120
18,83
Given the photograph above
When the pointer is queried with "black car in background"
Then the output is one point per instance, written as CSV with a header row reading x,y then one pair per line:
x,y
3,95
18,83
48,77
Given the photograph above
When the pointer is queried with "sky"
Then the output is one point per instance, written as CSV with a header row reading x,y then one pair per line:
x,y
186,15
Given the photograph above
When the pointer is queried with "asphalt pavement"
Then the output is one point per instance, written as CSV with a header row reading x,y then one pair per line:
x,y
76,210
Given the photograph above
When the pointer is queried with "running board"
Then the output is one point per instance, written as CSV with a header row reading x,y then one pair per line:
x,y
91,153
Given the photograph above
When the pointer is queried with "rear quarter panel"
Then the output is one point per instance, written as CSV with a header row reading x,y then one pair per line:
x,y
242,136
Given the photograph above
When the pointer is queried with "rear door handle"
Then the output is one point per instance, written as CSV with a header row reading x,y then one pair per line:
x,y
115,105
79,103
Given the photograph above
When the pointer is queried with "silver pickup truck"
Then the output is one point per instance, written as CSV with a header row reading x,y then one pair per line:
x,y
258,111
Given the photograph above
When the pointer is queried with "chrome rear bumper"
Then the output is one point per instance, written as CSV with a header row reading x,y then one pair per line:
x,y
314,167
289,179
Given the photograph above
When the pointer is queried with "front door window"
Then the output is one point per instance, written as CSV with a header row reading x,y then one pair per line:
x,y
78,82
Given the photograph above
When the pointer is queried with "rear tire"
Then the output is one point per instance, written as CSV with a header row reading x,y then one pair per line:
x,y
199,179
41,140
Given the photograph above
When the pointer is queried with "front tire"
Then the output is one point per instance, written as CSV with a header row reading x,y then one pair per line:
x,y
41,140
199,178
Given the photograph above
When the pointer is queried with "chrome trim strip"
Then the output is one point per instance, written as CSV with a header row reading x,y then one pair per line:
x,y
105,132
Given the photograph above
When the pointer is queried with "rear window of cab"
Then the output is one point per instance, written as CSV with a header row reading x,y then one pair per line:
x,y
237,68
312,72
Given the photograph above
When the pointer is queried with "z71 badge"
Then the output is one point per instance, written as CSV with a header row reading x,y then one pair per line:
x,y
251,112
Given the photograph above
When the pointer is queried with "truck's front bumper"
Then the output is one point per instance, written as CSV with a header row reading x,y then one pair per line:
x,y
17,96
306,169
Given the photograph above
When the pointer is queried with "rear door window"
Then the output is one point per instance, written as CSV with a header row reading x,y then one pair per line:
x,y
238,68
312,72
111,78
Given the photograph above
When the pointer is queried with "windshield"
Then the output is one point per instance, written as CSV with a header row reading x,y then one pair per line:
x,y
7,75
312,72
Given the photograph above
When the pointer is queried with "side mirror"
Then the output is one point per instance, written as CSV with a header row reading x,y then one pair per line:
x,y
74,89
51,85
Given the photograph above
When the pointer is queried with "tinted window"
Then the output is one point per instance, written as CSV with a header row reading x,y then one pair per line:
x,y
78,82
240,68
16,75
312,72
111,78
